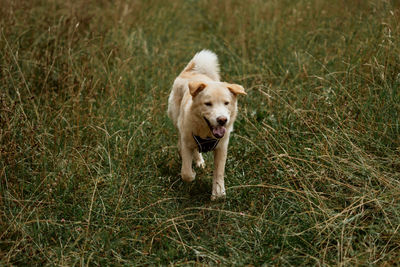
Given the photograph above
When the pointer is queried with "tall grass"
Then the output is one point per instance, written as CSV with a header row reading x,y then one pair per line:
x,y
89,164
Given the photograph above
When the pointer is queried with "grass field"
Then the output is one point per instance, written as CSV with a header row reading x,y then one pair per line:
x,y
89,166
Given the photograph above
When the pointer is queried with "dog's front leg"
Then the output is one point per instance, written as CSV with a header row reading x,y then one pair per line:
x,y
187,172
218,188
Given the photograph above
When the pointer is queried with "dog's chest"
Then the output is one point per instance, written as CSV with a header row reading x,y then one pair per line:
x,y
205,144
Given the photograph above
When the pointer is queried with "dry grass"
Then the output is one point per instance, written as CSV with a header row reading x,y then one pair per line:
x,y
89,167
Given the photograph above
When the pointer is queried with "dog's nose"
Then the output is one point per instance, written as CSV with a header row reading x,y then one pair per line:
x,y
222,120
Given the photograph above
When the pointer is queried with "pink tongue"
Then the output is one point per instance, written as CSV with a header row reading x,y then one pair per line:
x,y
218,131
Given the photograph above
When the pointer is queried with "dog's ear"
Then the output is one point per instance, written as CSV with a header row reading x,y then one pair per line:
x,y
236,89
196,87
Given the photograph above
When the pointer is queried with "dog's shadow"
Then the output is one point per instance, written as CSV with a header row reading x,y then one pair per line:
x,y
198,191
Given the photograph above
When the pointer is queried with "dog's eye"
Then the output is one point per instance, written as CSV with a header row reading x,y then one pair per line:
x,y
208,104
226,103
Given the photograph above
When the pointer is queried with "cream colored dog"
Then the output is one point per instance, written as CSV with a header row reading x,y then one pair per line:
x,y
203,109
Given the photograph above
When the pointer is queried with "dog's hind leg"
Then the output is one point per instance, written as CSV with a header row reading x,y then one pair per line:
x,y
198,159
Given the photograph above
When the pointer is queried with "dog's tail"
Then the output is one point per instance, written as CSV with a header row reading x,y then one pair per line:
x,y
205,62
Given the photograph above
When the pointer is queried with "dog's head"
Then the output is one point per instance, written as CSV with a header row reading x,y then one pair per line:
x,y
216,104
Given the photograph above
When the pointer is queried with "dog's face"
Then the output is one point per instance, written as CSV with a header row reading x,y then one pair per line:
x,y
216,104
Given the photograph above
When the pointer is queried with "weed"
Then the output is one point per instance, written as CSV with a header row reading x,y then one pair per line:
x,y
89,165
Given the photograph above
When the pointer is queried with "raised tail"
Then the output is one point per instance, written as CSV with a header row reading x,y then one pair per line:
x,y
205,62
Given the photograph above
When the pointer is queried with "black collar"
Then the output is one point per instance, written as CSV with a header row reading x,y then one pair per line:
x,y
205,145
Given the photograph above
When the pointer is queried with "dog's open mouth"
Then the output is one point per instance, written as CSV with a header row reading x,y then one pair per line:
x,y
218,131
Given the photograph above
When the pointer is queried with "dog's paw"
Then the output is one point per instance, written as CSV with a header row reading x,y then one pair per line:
x,y
198,159
188,177
200,163
218,197
218,192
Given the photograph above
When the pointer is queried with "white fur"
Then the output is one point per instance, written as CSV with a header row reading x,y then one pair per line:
x,y
206,62
190,113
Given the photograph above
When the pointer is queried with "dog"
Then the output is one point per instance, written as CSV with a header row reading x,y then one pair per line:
x,y
203,109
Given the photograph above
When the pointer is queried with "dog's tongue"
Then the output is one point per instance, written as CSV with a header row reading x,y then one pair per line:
x,y
218,131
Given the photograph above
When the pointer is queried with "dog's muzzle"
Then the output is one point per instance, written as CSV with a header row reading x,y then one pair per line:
x,y
218,131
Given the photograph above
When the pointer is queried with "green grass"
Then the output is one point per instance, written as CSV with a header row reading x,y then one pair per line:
x,y
89,166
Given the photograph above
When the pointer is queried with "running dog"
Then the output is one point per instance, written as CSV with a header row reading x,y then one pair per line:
x,y
203,109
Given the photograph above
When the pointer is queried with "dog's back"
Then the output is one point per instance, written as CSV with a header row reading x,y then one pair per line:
x,y
205,63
